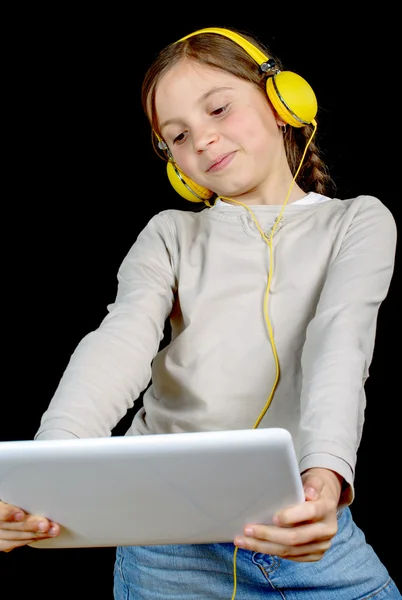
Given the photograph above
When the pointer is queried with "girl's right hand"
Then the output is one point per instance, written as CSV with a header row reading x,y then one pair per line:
x,y
17,528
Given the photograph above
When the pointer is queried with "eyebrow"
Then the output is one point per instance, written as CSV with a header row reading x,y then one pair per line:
x,y
214,90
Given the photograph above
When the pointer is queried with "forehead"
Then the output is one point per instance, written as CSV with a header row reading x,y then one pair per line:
x,y
187,83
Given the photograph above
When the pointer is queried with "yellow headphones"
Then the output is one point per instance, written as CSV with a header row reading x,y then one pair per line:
x,y
291,96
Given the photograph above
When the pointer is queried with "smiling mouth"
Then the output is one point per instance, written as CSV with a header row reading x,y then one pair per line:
x,y
221,163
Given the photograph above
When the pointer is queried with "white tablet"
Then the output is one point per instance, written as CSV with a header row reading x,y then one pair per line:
x,y
152,489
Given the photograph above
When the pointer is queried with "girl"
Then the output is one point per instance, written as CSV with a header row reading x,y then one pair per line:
x,y
272,293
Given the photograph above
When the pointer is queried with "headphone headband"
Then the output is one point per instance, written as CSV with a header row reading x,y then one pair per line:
x,y
254,52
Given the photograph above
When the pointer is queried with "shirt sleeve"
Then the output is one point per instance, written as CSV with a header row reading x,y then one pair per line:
x,y
340,341
111,365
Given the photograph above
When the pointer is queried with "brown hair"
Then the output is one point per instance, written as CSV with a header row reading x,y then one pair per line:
x,y
220,52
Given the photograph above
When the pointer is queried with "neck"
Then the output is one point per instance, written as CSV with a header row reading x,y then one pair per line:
x,y
273,197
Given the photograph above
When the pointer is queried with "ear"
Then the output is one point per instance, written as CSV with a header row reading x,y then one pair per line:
x,y
280,122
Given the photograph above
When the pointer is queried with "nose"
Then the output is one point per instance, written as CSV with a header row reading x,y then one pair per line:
x,y
203,138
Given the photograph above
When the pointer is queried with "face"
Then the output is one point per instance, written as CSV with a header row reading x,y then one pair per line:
x,y
221,130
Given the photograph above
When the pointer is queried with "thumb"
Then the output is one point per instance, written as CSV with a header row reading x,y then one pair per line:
x,y
312,485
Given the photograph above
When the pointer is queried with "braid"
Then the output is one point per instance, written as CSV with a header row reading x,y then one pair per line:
x,y
313,175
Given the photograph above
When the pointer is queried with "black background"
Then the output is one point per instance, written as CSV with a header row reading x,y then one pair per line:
x,y
83,180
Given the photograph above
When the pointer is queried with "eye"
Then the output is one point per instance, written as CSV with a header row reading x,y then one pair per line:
x,y
179,138
219,111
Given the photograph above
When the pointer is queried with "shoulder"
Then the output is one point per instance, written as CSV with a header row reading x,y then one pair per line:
x,y
165,230
368,226
174,217
367,205
173,223
363,212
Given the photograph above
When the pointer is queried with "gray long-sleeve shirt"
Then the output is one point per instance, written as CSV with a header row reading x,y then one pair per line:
x,y
207,271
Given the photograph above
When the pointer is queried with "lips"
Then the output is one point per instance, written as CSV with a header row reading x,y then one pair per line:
x,y
221,162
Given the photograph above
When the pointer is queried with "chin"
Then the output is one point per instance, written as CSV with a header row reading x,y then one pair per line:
x,y
236,192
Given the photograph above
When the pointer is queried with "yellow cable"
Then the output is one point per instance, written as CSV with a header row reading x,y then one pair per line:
x,y
268,241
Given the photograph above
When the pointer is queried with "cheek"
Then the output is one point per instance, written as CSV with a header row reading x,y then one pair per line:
x,y
252,129
239,127
185,163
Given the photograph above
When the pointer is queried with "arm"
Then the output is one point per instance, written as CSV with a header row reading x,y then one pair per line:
x,y
109,367
335,361
340,341
112,365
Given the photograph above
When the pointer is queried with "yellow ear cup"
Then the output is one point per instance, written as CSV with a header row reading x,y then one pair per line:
x,y
184,186
292,98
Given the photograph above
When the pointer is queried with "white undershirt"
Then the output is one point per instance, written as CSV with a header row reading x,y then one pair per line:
x,y
311,198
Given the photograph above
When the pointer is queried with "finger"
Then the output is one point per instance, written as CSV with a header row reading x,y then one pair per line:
x,y
9,537
305,552
29,523
293,536
15,539
307,512
25,536
8,512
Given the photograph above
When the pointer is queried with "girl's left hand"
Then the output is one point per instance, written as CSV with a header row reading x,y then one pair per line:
x,y
303,532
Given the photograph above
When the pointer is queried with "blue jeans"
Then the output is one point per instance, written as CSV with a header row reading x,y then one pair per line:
x,y
349,570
